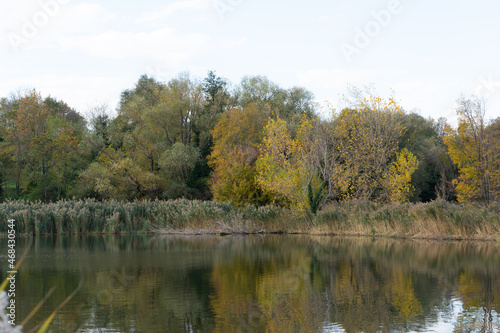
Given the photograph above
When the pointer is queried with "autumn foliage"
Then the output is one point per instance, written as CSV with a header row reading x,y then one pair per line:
x,y
237,137
253,143
284,166
360,159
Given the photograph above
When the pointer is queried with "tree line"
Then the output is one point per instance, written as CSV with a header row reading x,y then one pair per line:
x,y
250,143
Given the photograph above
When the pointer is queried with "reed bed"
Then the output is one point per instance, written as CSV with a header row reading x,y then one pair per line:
x,y
92,216
437,219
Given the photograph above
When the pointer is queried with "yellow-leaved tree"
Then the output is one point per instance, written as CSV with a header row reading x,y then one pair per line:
x,y
474,147
284,166
398,180
367,139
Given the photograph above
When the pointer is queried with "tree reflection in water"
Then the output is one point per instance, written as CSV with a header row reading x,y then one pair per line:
x,y
263,284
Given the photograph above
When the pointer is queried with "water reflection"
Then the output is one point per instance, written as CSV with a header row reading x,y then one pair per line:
x,y
261,284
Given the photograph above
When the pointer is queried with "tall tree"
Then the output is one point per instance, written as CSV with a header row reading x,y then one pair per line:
x,y
473,147
368,135
127,149
237,137
493,144
285,167
7,163
216,91
156,124
423,138
288,104
42,137
218,100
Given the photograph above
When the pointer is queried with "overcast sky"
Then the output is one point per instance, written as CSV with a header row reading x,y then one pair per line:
x,y
88,52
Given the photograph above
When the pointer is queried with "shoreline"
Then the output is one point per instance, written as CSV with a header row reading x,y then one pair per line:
x,y
439,220
220,233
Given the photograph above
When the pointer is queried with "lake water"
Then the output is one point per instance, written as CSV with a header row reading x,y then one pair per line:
x,y
270,283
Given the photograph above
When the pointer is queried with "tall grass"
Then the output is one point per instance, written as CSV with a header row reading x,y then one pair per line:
x,y
437,219
92,216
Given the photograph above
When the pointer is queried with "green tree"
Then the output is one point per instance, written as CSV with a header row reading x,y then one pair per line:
x,y
289,104
41,138
423,138
217,94
176,164
7,165
157,123
113,175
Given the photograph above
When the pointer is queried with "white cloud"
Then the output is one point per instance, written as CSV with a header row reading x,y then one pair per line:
x,y
12,12
85,18
167,11
165,44
43,25
78,92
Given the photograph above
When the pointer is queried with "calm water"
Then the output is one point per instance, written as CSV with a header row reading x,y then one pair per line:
x,y
259,284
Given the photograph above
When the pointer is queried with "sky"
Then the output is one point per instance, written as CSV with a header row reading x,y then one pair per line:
x,y
425,53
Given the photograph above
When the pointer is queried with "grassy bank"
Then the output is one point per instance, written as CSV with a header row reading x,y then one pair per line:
x,y
92,216
436,219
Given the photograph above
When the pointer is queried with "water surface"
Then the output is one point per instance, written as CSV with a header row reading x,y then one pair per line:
x,y
259,284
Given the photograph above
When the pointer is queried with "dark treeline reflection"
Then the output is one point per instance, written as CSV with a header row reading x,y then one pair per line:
x,y
260,284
